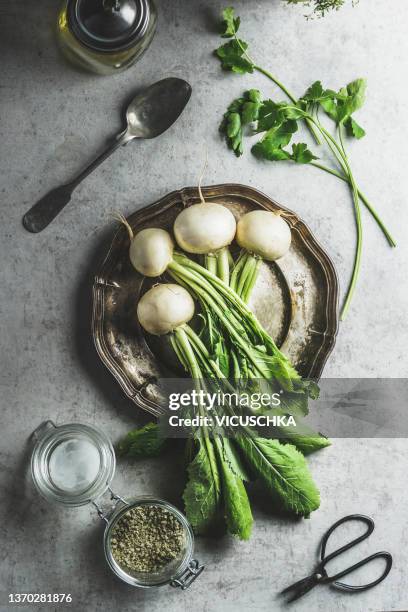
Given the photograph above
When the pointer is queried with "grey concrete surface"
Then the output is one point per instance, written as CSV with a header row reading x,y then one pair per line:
x,y
53,119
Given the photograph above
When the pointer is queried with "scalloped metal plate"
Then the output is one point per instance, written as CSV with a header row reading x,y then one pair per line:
x,y
295,299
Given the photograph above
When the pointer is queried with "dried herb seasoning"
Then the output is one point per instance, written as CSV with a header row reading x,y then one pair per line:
x,y
320,7
147,538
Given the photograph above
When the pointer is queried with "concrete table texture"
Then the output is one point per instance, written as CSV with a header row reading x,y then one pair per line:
x,y
53,119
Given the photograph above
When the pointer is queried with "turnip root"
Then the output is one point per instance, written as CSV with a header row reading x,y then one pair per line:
x,y
204,228
150,250
164,308
262,235
207,229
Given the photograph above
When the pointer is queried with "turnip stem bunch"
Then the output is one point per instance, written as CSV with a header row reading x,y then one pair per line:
x,y
166,310
267,458
224,490
217,472
256,354
244,275
219,264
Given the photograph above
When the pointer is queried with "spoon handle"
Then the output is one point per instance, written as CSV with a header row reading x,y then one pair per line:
x,y
49,206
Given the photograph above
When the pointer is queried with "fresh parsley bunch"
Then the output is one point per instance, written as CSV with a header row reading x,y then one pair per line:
x,y
278,122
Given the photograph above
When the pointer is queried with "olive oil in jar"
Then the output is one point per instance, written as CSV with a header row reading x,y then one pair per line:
x,y
106,36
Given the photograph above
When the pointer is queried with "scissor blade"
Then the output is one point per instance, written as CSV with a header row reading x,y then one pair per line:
x,y
301,587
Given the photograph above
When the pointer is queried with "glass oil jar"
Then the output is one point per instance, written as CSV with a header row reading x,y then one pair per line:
x,y
74,465
106,36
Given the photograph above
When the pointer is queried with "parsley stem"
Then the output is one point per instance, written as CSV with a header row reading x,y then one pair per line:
x,y
357,259
278,83
341,156
346,177
270,76
363,198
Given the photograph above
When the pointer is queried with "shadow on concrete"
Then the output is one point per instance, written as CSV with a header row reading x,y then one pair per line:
x,y
85,350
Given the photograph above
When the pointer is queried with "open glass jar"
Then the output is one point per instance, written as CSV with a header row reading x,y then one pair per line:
x,y
74,465
106,36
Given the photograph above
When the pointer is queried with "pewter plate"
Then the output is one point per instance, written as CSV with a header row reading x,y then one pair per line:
x,y
296,299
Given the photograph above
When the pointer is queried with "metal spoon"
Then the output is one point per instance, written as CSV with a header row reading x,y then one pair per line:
x,y
149,114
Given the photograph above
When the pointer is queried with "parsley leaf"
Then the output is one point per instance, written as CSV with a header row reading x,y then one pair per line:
x,y
266,149
279,131
356,91
240,112
281,135
353,99
330,107
232,56
230,24
270,116
277,119
340,105
250,108
316,93
231,127
301,154
353,129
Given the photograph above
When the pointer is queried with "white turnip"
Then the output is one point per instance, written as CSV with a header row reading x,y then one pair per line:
x,y
263,235
204,228
164,308
207,229
150,250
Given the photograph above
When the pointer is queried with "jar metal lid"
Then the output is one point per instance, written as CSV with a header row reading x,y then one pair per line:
x,y
108,25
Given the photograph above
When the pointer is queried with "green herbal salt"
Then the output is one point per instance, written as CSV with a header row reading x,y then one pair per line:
x,y
147,538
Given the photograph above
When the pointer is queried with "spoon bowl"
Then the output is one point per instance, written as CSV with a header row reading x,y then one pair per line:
x,y
150,113
155,109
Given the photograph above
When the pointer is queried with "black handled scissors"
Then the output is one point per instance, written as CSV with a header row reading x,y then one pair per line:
x,y
320,576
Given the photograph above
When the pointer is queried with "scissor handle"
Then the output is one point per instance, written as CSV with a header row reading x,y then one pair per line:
x,y
351,517
324,560
363,587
